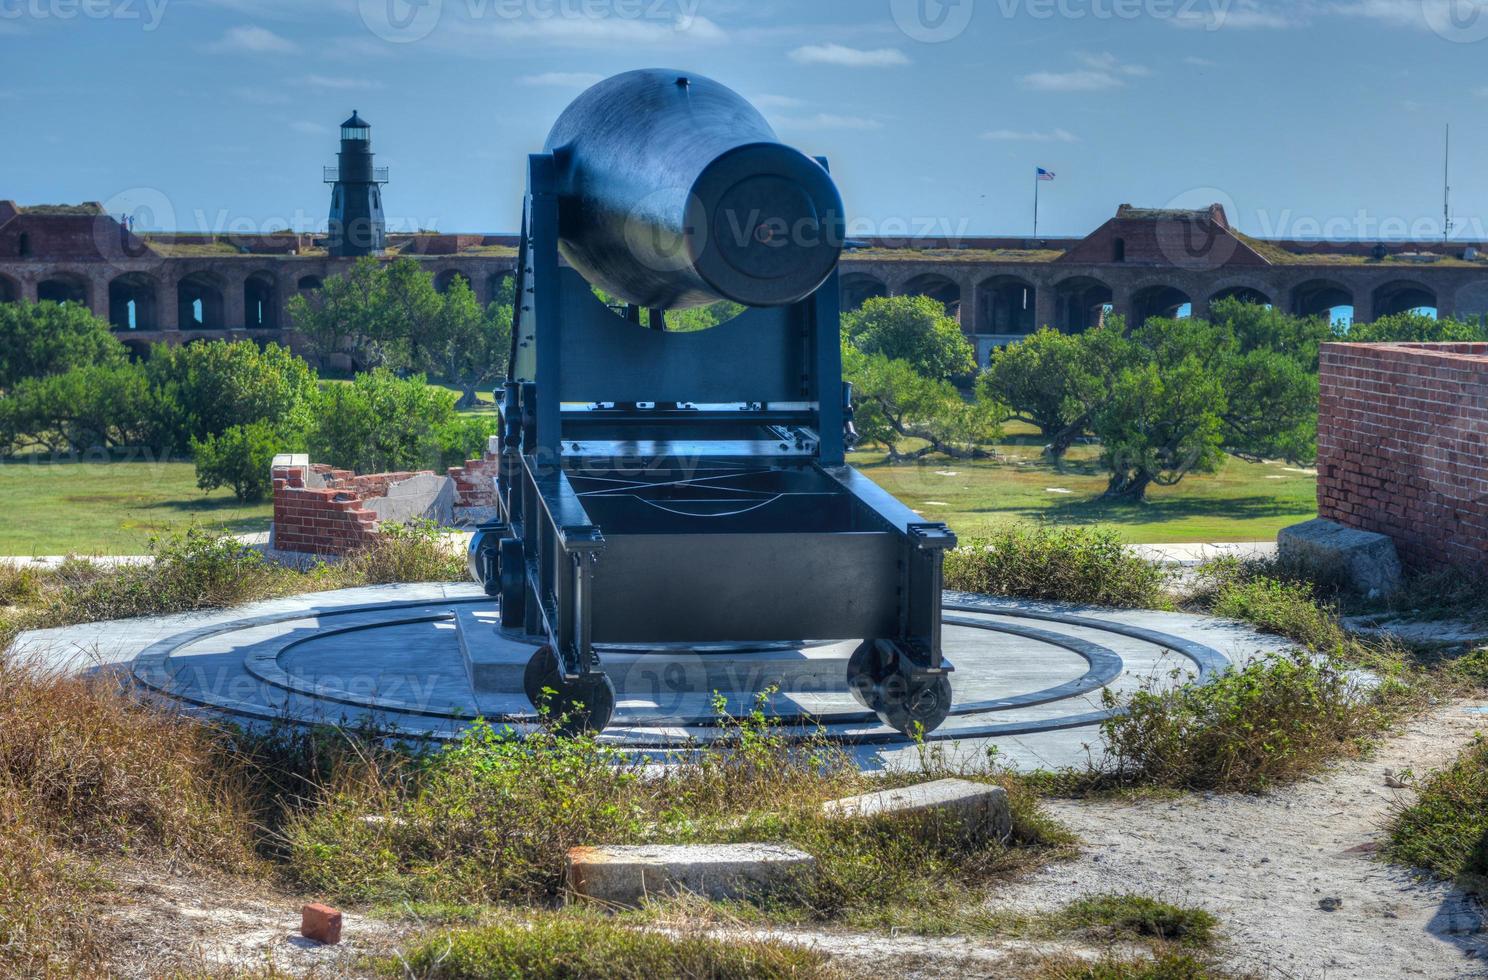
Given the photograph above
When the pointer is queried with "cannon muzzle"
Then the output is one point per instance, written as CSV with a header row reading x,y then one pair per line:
x,y
675,192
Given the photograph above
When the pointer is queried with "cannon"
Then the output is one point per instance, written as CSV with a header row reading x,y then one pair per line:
x,y
690,488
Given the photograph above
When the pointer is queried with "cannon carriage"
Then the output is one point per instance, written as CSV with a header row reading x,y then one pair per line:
x,y
690,488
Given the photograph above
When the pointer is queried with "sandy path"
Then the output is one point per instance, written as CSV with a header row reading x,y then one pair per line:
x,y
1263,865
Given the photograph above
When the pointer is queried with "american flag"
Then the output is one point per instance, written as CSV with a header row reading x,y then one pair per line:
x,y
1045,174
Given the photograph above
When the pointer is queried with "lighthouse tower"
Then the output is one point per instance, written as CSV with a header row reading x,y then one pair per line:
x,y
357,226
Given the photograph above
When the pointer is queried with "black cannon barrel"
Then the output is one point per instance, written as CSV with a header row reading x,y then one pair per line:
x,y
675,192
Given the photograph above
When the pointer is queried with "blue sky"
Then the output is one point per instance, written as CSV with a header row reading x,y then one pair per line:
x,y
1303,117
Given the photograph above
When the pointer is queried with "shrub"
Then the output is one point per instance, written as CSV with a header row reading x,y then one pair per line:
x,y
1060,564
915,329
1417,327
380,423
1446,829
42,339
204,389
490,818
1272,720
195,569
416,551
242,457
570,948
487,819
103,405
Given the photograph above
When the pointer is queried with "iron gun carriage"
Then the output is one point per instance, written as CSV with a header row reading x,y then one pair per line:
x,y
661,487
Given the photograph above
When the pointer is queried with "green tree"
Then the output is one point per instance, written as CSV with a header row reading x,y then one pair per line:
x,y
1415,328
97,406
242,457
468,346
702,317
914,329
1055,380
1191,394
894,403
379,422
1259,327
38,339
373,313
203,389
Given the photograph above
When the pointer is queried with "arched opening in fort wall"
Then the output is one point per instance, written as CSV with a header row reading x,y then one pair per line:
x,y
63,288
199,303
938,288
1160,301
858,288
261,302
1324,298
1007,306
1080,302
132,302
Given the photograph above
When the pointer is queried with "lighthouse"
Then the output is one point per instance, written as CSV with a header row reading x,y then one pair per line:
x,y
357,226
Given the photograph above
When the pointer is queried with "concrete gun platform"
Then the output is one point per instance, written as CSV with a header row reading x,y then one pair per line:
x,y
1028,679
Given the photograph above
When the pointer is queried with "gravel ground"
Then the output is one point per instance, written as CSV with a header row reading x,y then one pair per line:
x,y
1271,866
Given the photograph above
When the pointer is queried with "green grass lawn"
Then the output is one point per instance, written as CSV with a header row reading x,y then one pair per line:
x,y
113,508
109,508
1242,502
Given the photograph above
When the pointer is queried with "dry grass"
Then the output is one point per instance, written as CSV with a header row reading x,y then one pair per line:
x,y
86,775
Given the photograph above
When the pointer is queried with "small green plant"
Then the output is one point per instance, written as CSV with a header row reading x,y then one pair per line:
x,y
1061,564
572,948
1272,720
1138,915
415,551
1446,829
1168,966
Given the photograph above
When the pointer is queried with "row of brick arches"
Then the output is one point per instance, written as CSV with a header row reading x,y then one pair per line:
x,y
1006,304
135,298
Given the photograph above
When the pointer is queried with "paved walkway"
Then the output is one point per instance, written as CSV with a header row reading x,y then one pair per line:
x,y
1029,677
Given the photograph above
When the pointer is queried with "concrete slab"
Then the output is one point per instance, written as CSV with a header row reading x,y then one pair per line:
x,y
1028,682
982,809
627,875
1367,560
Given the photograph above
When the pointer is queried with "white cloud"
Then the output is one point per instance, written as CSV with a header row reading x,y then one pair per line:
x,y
561,79
1248,15
1032,136
600,32
341,84
1107,62
1102,71
1070,81
308,128
254,40
777,102
845,57
829,120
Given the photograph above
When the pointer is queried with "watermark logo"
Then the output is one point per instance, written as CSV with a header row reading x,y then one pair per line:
x,y
932,21
1458,21
401,21
149,12
1188,231
125,216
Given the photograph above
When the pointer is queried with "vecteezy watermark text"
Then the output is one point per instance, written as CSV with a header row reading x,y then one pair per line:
x,y
403,21
149,12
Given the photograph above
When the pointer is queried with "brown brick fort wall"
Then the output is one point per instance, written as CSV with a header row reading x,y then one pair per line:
x,y
1403,447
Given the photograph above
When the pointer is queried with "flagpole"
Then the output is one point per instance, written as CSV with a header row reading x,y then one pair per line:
x,y
1036,183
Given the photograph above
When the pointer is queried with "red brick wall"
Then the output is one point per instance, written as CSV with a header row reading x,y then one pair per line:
x,y
1403,446
331,521
473,482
